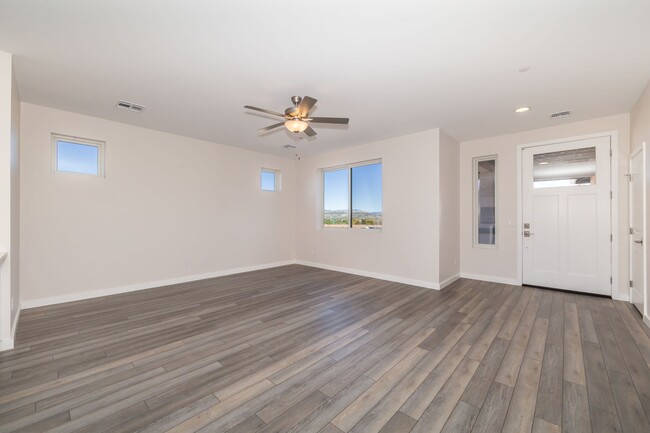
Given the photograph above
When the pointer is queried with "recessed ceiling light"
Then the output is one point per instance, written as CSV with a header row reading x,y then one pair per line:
x,y
522,109
543,163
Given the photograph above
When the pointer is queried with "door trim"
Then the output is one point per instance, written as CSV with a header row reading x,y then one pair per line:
x,y
614,220
641,148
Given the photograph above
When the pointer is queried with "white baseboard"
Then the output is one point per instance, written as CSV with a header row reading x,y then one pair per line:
x,y
9,343
6,344
14,325
148,285
490,278
621,297
449,280
386,277
646,320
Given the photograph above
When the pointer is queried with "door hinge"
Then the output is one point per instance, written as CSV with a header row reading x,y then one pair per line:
x,y
611,195
610,152
631,231
631,283
611,238
611,280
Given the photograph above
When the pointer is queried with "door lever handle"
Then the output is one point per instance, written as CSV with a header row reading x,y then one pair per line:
x,y
639,242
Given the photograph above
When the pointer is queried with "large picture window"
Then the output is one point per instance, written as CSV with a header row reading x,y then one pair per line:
x,y
485,198
352,196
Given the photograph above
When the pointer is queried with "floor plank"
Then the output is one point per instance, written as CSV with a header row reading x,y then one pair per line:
x,y
304,350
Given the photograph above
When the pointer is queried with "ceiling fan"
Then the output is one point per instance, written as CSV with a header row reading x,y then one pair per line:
x,y
297,117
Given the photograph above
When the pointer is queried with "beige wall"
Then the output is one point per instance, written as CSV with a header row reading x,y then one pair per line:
x,y
406,249
169,207
9,200
640,120
501,264
449,208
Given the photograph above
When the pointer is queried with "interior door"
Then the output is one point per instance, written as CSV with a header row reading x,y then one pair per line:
x,y
567,216
637,228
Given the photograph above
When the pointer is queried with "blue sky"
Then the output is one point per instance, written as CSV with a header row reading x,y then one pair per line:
x,y
76,158
366,188
268,181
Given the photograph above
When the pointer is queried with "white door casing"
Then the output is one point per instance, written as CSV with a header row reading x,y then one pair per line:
x,y
567,243
638,244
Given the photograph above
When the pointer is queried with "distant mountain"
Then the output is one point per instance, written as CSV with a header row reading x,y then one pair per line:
x,y
359,216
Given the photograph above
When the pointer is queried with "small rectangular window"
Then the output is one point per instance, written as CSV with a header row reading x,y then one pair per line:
x,y
270,180
485,199
575,167
77,155
352,196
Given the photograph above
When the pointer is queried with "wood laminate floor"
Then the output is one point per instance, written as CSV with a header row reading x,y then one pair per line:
x,y
298,349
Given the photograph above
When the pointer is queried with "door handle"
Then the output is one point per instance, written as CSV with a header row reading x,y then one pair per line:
x,y
528,233
639,242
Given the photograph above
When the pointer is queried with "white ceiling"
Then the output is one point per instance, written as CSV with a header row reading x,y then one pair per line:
x,y
393,67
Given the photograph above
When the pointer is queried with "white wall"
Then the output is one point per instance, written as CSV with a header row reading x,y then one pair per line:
x,y
640,120
406,249
9,200
449,209
501,264
167,203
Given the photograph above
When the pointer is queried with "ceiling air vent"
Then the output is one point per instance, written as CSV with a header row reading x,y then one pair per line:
x,y
130,106
560,114
289,146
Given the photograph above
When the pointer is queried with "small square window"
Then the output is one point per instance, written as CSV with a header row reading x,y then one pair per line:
x,y
77,155
270,180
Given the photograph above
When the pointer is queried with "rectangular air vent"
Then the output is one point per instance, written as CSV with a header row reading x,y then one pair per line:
x,y
289,146
130,106
560,114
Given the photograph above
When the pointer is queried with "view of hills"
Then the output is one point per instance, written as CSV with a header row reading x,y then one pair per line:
x,y
339,218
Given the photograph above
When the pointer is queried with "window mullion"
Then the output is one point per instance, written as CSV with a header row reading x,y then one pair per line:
x,y
350,197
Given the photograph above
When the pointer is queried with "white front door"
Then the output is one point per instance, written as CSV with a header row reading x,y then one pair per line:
x,y
637,228
566,216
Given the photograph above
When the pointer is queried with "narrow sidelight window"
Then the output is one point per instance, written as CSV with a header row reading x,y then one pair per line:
x,y
485,198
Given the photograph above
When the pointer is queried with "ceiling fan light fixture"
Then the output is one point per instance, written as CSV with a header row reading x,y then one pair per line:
x,y
296,125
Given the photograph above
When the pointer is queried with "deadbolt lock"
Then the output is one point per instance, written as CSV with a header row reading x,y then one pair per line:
x,y
526,226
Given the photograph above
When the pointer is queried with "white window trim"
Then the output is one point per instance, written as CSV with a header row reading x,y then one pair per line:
x,y
100,145
349,167
475,207
278,178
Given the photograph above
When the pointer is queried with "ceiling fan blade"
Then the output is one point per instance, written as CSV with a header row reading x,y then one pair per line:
x,y
305,105
310,132
275,113
268,128
338,120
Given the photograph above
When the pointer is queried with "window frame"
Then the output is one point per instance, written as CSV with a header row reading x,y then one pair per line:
x,y
101,150
476,206
277,176
349,168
